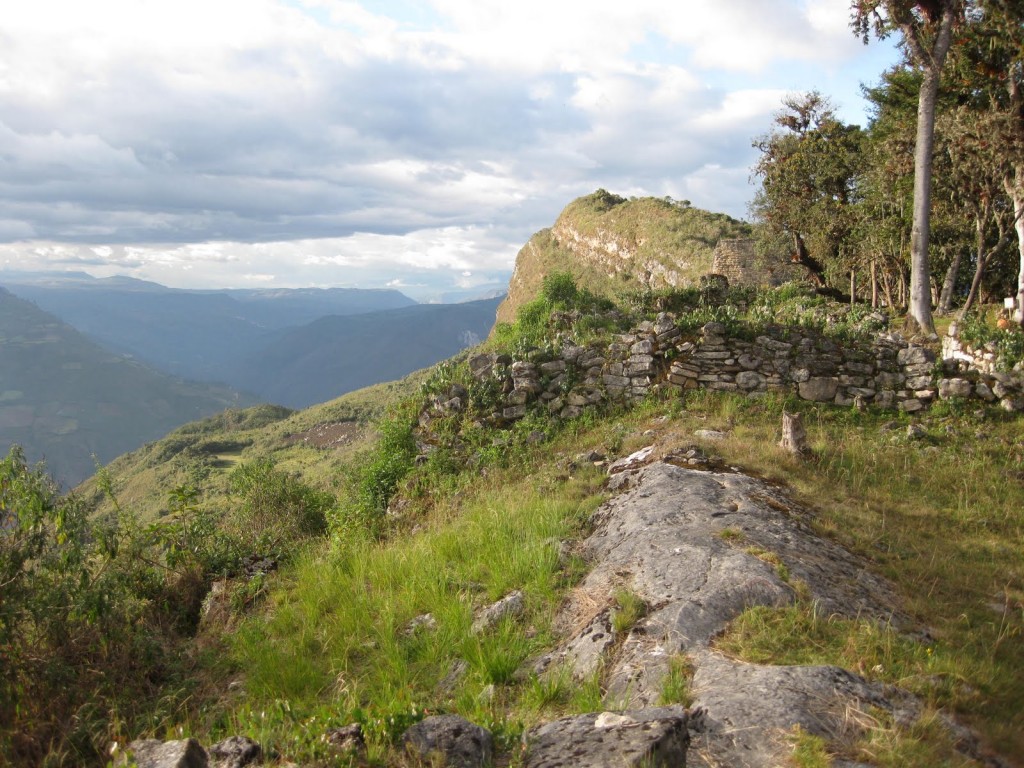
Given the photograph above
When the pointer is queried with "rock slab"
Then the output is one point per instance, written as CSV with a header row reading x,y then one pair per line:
x,y
649,737
453,740
153,753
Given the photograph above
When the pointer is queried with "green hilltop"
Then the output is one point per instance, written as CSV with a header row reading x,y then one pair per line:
x,y
615,247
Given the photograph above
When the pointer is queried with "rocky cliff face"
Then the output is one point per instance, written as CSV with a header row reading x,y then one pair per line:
x,y
614,246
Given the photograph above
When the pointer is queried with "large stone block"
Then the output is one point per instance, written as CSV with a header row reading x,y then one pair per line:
x,y
819,388
954,388
453,740
748,380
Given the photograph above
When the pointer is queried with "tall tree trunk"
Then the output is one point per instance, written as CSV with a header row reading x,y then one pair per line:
x,y
874,284
949,285
980,260
853,287
920,269
1017,193
931,62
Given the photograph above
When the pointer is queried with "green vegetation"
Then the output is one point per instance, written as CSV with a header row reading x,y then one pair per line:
x,y
560,304
343,631
390,542
851,203
1006,343
629,609
809,751
675,688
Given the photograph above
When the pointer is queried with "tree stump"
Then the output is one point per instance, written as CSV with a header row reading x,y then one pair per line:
x,y
794,436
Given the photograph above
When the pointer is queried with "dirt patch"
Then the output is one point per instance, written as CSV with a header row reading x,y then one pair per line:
x,y
335,434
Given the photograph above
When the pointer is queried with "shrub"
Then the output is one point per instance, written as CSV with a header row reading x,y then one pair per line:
x,y
77,637
1007,344
277,509
376,477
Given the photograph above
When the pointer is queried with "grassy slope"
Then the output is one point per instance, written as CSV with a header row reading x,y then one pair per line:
x,y
940,516
203,453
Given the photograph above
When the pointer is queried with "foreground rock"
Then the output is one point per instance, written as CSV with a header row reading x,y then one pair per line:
x,y
651,738
450,740
153,753
233,752
699,548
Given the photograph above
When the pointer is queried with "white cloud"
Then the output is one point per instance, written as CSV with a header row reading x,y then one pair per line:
x,y
337,142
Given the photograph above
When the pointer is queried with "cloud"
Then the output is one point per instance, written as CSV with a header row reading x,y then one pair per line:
x,y
358,137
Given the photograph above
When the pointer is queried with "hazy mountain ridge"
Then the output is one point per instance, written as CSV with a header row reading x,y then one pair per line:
x,y
257,341
333,355
65,399
197,334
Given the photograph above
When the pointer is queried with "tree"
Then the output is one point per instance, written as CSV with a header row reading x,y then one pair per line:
x,y
926,27
990,65
977,169
808,170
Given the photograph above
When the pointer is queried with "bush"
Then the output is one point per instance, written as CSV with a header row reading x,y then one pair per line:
x,y
376,478
561,306
1007,344
78,627
277,510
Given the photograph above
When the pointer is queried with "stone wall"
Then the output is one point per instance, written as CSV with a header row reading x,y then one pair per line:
x,y
888,373
980,367
738,260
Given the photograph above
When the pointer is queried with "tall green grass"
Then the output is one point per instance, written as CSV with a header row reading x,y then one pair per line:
x,y
340,636
941,516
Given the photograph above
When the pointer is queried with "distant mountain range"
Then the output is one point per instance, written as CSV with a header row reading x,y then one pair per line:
x,y
67,400
334,355
99,366
190,333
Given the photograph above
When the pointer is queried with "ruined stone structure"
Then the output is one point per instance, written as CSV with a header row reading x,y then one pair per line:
x,y
889,373
738,260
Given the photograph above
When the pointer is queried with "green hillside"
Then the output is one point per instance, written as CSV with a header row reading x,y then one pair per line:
x,y
67,400
295,553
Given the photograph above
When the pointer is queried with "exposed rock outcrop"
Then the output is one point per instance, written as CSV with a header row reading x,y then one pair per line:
x,y
698,548
651,738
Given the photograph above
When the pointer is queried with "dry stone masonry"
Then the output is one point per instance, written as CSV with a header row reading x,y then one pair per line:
x,y
977,374
737,259
889,372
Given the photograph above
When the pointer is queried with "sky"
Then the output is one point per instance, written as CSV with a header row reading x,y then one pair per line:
x,y
373,144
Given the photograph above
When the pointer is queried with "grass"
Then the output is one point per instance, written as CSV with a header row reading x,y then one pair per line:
x,y
942,520
675,687
809,751
629,609
338,632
